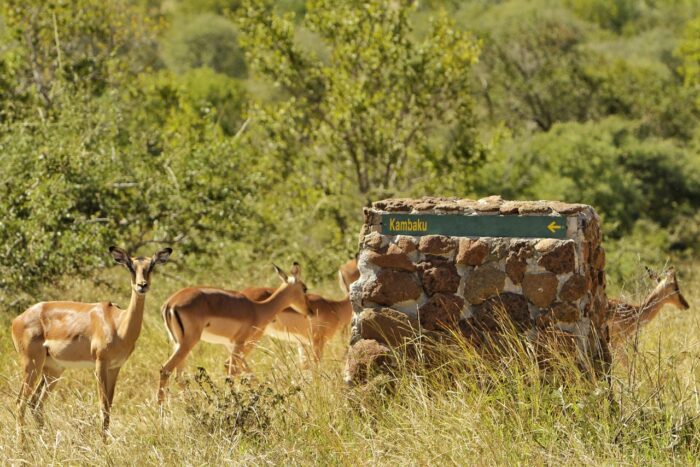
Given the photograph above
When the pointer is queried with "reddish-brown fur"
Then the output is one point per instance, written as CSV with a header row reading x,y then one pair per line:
x,y
224,317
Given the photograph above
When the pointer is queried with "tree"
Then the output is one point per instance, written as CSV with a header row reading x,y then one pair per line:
x,y
119,154
365,114
689,51
534,69
204,40
56,47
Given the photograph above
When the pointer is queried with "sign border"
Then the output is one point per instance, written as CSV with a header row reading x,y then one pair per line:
x,y
507,226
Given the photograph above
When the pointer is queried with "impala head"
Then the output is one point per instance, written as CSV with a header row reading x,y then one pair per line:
x,y
140,267
667,286
300,302
347,274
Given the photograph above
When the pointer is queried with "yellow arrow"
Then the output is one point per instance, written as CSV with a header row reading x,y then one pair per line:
x,y
553,227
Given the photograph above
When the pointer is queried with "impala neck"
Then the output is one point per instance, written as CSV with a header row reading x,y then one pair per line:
x,y
653,304
130,326
278,301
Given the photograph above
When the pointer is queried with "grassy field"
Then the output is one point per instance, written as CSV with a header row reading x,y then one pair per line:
x,y
488,413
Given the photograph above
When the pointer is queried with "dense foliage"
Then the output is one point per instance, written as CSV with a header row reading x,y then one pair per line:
x,y
242,129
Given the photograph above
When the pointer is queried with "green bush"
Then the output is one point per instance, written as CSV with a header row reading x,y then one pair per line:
x,y
204,40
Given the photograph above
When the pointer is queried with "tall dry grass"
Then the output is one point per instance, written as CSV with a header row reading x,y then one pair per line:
x,y
467,410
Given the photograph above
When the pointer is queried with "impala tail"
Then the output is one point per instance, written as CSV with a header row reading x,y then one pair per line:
x,y
169,315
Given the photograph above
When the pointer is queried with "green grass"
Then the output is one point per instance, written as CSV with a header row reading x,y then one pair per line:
x,y
468,411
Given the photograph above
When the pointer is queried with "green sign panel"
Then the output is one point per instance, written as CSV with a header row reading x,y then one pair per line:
x,y
474,226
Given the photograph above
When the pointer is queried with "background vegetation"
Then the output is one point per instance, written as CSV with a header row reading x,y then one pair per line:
x,y
243,132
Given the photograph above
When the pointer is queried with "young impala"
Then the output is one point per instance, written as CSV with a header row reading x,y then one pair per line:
x,y
225,317
326,317
626,318
53,336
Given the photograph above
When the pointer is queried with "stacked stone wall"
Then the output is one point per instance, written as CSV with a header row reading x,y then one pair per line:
x,y
411,285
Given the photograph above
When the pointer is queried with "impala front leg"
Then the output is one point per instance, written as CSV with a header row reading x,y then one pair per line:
x,y
106,380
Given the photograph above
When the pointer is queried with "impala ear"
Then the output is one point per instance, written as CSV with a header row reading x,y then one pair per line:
x,y
652,275
296,271
280,273
162,256
120,256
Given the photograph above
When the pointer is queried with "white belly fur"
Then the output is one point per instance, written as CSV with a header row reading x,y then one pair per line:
x,y
215,339
56,347
285,336
76,363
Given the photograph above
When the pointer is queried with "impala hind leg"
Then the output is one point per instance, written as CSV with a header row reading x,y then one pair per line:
x,y
176,360
317,348
310,352
48,382
32,361
236,364
180,372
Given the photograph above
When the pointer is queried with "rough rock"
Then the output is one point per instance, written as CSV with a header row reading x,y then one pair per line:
x,y
403,244
585,252
486,315
540,288
489,204
438,275
573,288
394,205
472,252
391,286
386,326
533,207
515,268
436,244
441,311
499,248
372,241
566,208
598,260
516,262
509,207
482,283
558,256
366,358
591,230
393,261
566,312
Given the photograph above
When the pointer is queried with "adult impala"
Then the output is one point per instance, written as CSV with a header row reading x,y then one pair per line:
x,y
626,318
53,336
326,317
225,317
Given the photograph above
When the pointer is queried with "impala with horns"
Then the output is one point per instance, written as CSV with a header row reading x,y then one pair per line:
x,y
225,317
53,336
326,317
625,319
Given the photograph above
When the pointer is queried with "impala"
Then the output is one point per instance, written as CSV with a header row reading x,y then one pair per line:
x,y
347,274
225,317
53,336
624,318
326,317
